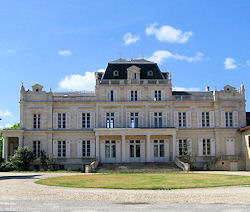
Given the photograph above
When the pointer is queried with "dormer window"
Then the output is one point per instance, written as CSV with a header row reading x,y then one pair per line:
x,y
134,76
37,90
150,73
115,73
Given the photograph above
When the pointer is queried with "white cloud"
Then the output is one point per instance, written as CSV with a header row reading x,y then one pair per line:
x,y
176,88
77,82
6,126
248,62
64,52
4,114
129,38
229,63
160,55
168,33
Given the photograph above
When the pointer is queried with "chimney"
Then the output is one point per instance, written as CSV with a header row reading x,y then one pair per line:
x,y
207,88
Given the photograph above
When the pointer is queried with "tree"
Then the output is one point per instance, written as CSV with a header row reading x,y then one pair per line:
x,y
22,158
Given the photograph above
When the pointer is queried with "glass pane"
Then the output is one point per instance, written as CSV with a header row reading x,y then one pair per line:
x,y
156,150
131,151
113,151
107,151
138,151
162,150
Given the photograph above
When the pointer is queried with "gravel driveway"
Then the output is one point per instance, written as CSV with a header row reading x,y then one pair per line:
x,y
21,186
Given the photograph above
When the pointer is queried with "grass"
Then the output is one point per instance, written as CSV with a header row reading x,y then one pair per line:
x,y
147,181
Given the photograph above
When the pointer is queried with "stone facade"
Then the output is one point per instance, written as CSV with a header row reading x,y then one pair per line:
x,y
132,116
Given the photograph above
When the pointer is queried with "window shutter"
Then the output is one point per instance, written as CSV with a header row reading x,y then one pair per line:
x,y
128,119
115,95
151,119
200,147
92,149
67,149
153,95
162,95
199,125
177,147
79,120
92,120
235,119
79,148
141,119
142,153
176,119
211,119
116,120
104,120
129,95
223,120
189,119
55,120
164,117
189,146
108,95
213,149
68,120
55,149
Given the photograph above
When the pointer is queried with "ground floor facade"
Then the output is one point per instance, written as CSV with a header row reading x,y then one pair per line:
x,y
73,149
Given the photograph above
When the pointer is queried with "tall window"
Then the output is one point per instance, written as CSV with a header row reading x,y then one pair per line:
x,y
111,95
85,120
159,148
110,120
134,120
86,148
110,149
36,148
229,119
249,141
183,149
61,120
158,120
133,76
36,120
206,147
205,119
182,119
157,96
135,149
133,96
61,149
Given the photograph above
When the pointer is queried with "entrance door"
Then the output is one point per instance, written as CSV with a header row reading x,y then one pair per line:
x,y
135,151
110,151
161,151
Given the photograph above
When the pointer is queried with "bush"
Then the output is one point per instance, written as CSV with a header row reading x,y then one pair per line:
x,y
7,166
22,158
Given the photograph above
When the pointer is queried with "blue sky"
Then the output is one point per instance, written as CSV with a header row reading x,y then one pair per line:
x,y
59,43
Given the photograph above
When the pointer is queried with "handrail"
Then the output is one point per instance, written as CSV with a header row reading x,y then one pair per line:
x,y
182,165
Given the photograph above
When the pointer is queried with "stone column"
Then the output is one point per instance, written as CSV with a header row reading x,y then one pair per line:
x,y
123,149
146,116
148,149
97,147
174,141
4,148
20,141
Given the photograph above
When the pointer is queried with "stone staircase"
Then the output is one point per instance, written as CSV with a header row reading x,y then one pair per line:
x,y
137,168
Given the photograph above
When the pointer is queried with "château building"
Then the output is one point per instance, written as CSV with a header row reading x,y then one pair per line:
x,y
133,116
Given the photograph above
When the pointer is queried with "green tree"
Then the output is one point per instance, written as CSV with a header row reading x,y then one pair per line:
x,y
22,158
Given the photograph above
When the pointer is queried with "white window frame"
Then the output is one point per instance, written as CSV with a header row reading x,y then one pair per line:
x,y
157,95
37,148
150,73
61,120
86,148
115,73
61,149
134,95
205,119
183,147
133,144
158,144
182,119
229,119
86,120
110,149
36,120
158,120
206,147
110,120
134,120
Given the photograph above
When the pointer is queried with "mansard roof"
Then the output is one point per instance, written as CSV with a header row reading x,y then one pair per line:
x,y
121,65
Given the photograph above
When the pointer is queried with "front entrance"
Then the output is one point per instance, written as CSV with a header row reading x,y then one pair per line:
x,y
160,150
110,151
136,151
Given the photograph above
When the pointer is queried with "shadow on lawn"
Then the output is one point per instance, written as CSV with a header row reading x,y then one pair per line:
x,y
18,177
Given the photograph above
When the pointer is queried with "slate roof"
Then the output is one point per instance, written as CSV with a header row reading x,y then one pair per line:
x,y
121,65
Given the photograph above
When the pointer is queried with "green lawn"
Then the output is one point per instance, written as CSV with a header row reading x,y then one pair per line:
x,y
147,181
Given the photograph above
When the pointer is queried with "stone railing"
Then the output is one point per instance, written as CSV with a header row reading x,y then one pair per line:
x,y
182,165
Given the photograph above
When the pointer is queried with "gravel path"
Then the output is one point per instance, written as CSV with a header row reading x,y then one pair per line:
x,y
21,186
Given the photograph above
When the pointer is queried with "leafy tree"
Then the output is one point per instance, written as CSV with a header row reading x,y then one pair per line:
x,y
22,158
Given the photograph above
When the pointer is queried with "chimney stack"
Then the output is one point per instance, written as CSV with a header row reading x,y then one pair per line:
x,y
207,88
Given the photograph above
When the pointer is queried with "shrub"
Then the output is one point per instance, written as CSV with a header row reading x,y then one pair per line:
x,y
6,166
22,158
